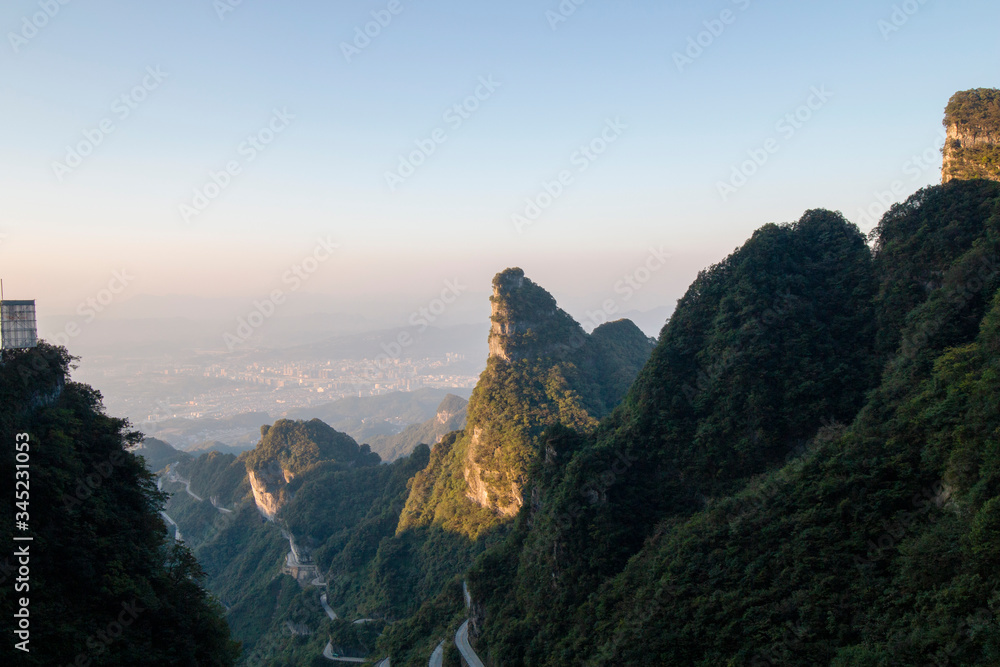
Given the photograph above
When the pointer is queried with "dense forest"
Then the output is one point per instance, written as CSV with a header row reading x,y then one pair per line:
x,y
817,484
103,583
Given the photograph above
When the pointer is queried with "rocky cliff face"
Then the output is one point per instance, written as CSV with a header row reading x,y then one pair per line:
x,y
290,448
543,369
268,484
451,407
972,149
526,322
449,418
473,473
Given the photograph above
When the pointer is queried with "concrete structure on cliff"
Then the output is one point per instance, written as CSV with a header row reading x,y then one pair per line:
x,y
972,149
18,329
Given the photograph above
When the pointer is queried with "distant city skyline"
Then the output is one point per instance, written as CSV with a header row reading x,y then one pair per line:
x,y
360,155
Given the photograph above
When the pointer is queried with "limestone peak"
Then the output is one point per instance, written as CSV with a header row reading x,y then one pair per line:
x,y
526,322
972,148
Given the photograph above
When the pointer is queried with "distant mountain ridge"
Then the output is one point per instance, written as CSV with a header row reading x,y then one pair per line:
x,y
363,418
369,417
158,453
451,416
216,446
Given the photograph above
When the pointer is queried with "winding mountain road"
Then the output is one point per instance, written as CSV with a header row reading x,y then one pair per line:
x,y
462,636
465,648
437,656
328,651
326,607
177,529
328,654
215,504
174,477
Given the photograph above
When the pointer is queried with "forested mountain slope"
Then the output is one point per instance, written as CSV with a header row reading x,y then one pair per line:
x,y
814,485
543,370
105,586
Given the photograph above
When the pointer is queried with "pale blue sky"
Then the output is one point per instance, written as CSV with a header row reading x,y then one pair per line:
x,y
656,184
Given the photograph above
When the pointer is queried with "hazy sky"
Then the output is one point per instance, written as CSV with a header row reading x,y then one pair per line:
x,y
115,113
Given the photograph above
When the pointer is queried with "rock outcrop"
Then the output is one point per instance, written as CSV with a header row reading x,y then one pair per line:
x,y
527,323
450,416
569,381
290,448
451,407
972,148
543,370
268,486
